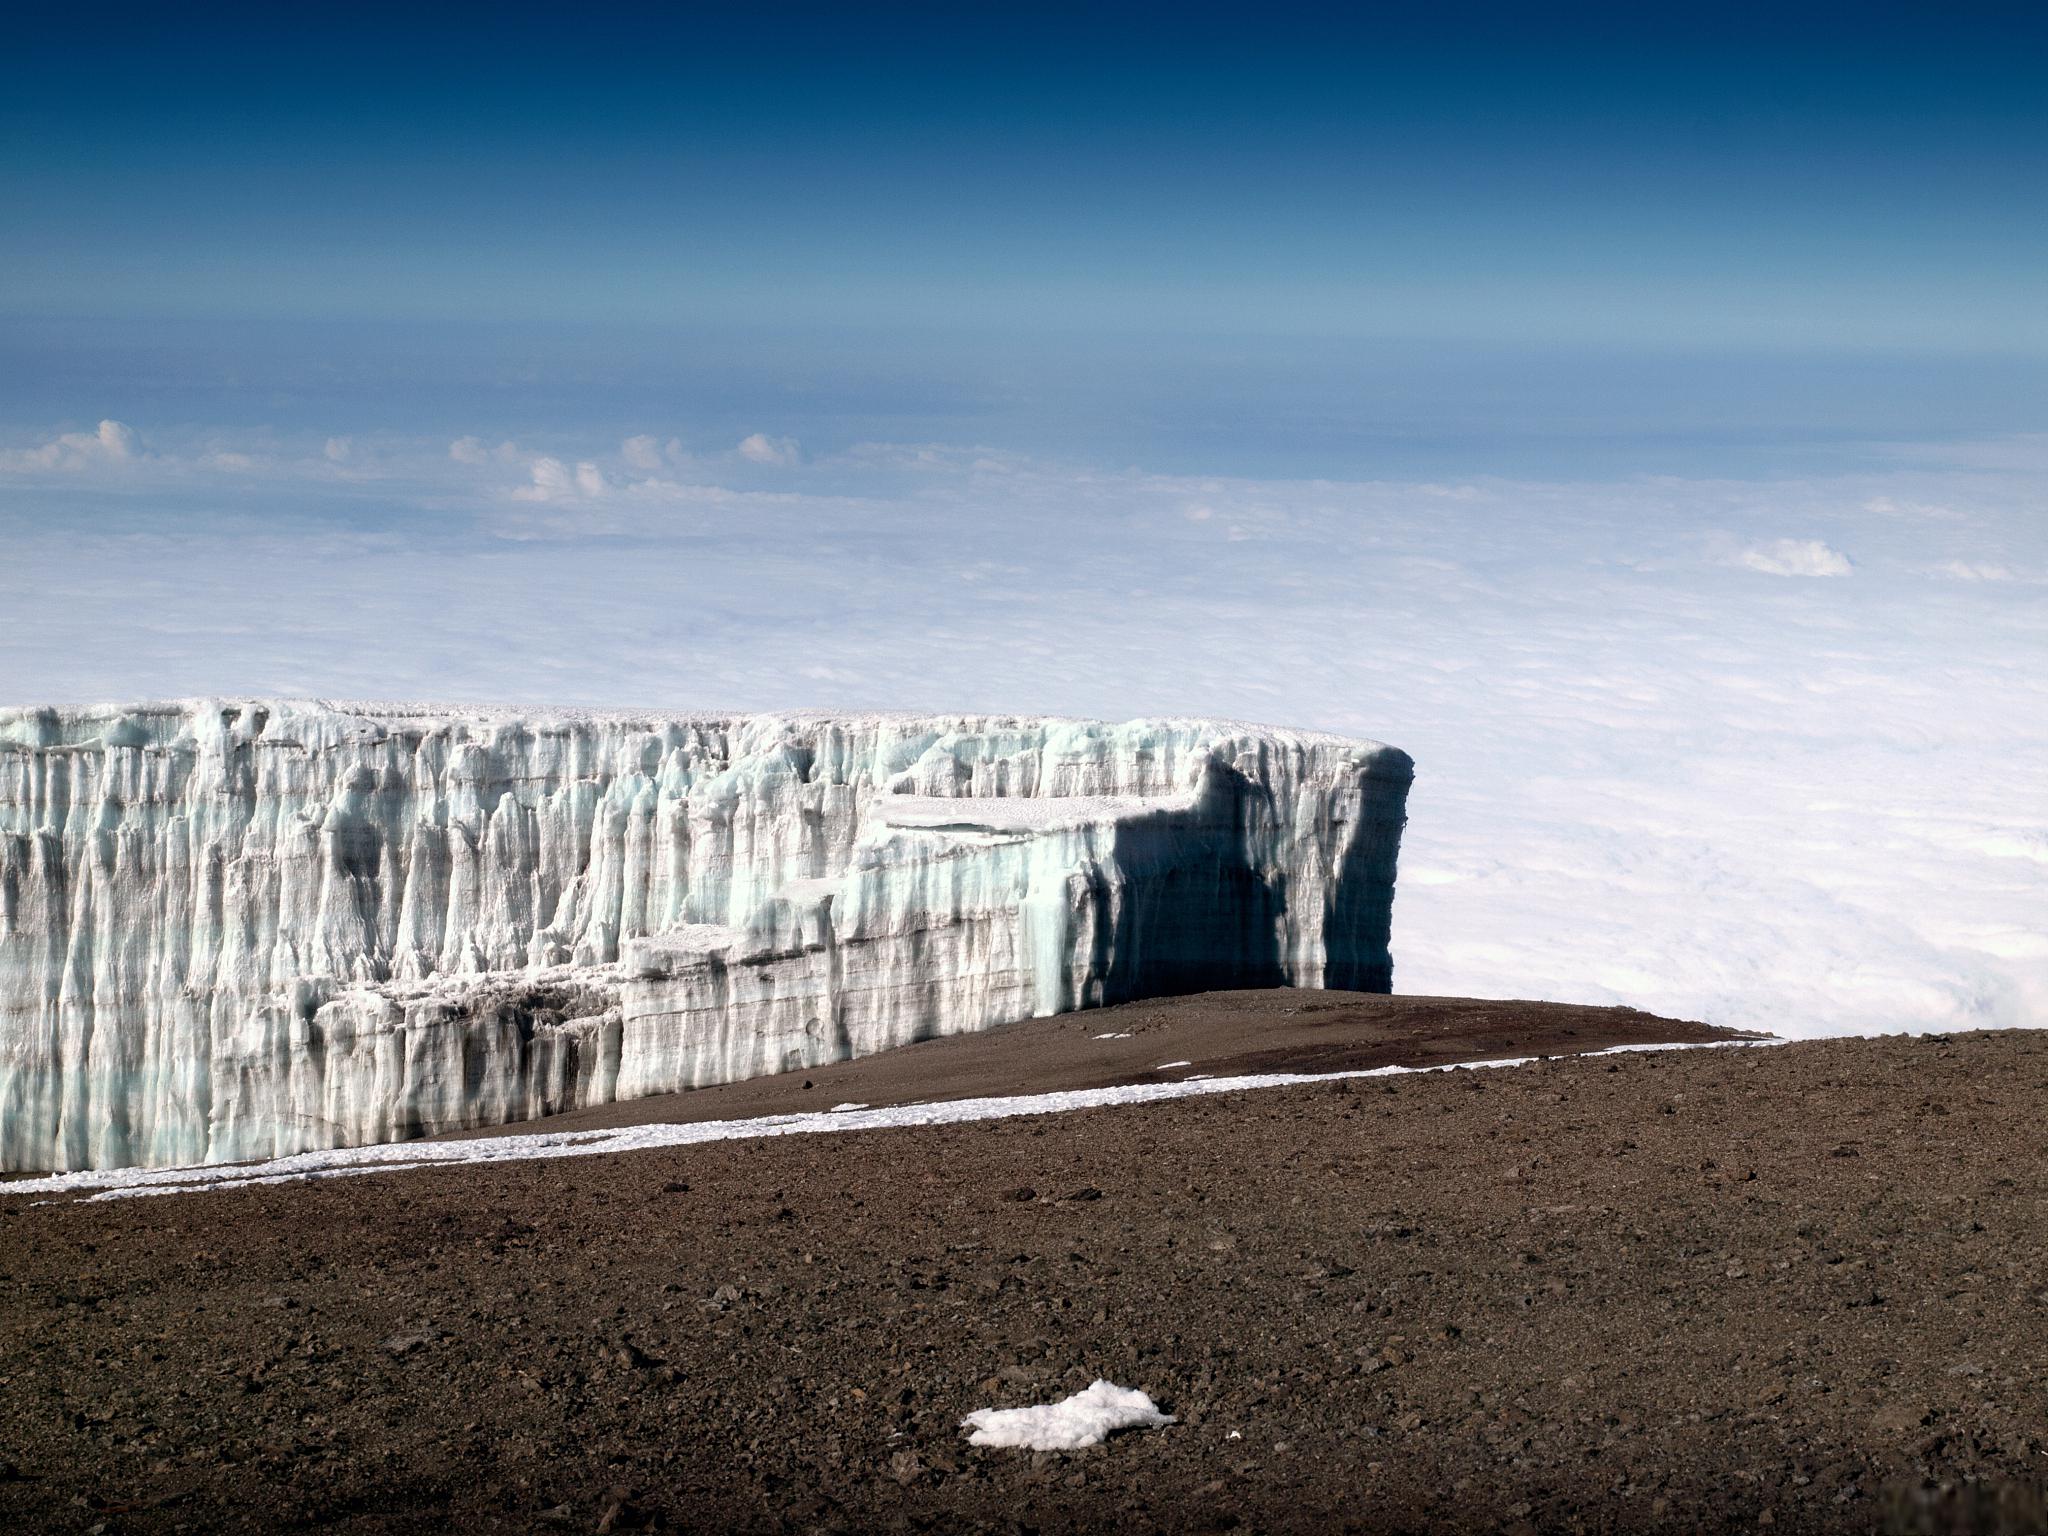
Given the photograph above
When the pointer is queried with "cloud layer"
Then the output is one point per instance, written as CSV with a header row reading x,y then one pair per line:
x,y
1796,557
1647,773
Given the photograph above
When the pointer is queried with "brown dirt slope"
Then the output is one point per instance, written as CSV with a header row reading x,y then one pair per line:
x,y
1802,1288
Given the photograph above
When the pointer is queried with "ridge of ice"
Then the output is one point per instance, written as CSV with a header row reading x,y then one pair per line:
x,y
652,718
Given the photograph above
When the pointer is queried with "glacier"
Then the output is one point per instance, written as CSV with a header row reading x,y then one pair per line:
x,y
243,929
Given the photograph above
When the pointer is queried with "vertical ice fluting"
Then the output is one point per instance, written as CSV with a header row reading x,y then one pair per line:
x,y
235,929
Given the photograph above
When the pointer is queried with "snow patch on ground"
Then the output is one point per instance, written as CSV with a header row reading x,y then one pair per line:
x,y
1072,1424
1168,1066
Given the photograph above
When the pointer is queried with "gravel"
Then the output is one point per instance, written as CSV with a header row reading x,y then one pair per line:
x,y
1797,1289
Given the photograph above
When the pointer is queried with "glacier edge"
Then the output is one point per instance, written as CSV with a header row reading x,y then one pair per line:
x,y
236,929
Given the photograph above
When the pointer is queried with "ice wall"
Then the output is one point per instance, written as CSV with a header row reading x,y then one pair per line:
x,y
234,929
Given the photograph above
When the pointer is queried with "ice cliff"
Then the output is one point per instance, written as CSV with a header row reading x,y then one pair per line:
x,y
234,929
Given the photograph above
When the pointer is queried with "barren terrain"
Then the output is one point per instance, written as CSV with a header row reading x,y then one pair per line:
x,y
1797,1288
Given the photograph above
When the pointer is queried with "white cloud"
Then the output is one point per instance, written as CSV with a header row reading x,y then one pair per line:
x,y
110,443
649,453
1975,570
116,440
932,456
473,450
1892,506
1796,557
759,448
227,463
552,480
338,449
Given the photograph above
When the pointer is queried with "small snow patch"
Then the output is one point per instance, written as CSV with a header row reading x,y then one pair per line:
x,y
1121,1034
1168,1066
1085,1419
841,1109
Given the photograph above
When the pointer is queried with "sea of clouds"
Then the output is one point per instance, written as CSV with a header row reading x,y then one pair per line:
x,y
1765,752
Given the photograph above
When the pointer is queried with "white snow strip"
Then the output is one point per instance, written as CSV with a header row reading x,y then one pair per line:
x,y
1122,1034
1085,1419
844,1109
1014,814
123,1183
1168,1066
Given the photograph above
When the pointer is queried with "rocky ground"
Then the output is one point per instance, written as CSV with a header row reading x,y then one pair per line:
x,y
1797,1288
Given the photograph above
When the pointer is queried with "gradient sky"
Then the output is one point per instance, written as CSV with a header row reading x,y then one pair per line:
x,y
1479,224
1859,176
1638,413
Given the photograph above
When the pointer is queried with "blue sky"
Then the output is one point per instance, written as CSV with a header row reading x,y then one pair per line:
x,y
1637,413
996,188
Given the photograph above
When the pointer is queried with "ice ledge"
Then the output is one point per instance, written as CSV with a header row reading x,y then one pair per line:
x,y
997,814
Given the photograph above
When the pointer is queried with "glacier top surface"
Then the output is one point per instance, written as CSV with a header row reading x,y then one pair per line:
x,y
17,722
